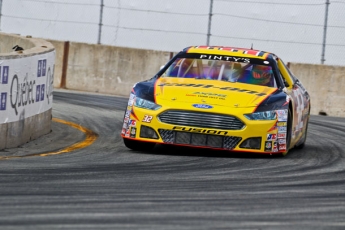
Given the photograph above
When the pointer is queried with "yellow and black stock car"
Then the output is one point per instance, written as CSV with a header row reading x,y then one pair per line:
x,y
224,98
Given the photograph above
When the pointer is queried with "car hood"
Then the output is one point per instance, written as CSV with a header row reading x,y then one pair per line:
x,y
209,92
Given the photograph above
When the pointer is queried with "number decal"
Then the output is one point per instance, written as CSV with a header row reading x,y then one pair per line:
x,y
299,110
147,118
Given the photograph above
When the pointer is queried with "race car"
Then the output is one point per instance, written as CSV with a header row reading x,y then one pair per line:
x,y
216,97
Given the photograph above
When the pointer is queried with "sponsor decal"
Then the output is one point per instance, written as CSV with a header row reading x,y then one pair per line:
x,y
214,87
300,108
131,96
44,67
127,133
41,68
28,90
3,100
22,94
133,132
133,123
42,92
281,123
130,102
268,145
38,92
4,74
196,130
123,131
271,137
281,135
281,141
147,118
127,113
282,129
282,146
275,146
202,106
224,58
208,95
282,114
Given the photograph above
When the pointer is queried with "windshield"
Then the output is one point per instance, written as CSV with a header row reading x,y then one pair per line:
x,y
231,71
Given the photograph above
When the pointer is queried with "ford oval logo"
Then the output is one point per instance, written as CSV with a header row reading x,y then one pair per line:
x,y
202,106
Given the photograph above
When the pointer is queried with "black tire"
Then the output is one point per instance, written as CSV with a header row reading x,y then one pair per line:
x,y
300,146
302,143
138,145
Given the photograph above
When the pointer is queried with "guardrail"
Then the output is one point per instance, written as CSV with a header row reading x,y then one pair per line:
x,y
26,85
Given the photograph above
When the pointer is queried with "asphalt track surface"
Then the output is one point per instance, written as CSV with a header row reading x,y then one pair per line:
x,y
106,186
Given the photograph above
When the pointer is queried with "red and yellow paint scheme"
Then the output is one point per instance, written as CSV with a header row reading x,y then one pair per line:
x,y
223,98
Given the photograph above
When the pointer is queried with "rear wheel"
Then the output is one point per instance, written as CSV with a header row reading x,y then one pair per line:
x,y
138,145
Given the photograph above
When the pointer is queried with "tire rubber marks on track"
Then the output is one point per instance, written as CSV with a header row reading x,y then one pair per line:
x,y
91,136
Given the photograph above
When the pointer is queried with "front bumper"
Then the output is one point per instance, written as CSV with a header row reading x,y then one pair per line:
x,y
241,135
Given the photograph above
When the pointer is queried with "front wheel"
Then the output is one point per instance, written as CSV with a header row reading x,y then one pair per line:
x,y
304,138
138,145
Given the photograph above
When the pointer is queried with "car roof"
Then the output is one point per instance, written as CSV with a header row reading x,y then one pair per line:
x,y
226,50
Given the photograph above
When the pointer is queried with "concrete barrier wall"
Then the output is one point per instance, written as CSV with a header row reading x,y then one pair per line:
x,y
114,70
326,87
8,41
106,69
59,49
26,79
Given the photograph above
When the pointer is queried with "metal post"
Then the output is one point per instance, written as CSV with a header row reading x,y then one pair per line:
x,y
324,34
100,23
64,65
209,23
0,12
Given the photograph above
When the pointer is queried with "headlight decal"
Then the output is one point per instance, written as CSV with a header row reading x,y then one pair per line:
x,y
266,115
145,104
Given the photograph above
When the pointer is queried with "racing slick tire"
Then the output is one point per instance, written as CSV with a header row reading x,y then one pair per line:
x,y
302,144
138,145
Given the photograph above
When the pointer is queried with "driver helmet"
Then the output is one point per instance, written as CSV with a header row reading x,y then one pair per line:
x,y
261,75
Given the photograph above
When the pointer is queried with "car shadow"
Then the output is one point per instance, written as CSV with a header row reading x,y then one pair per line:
x,y
162,149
